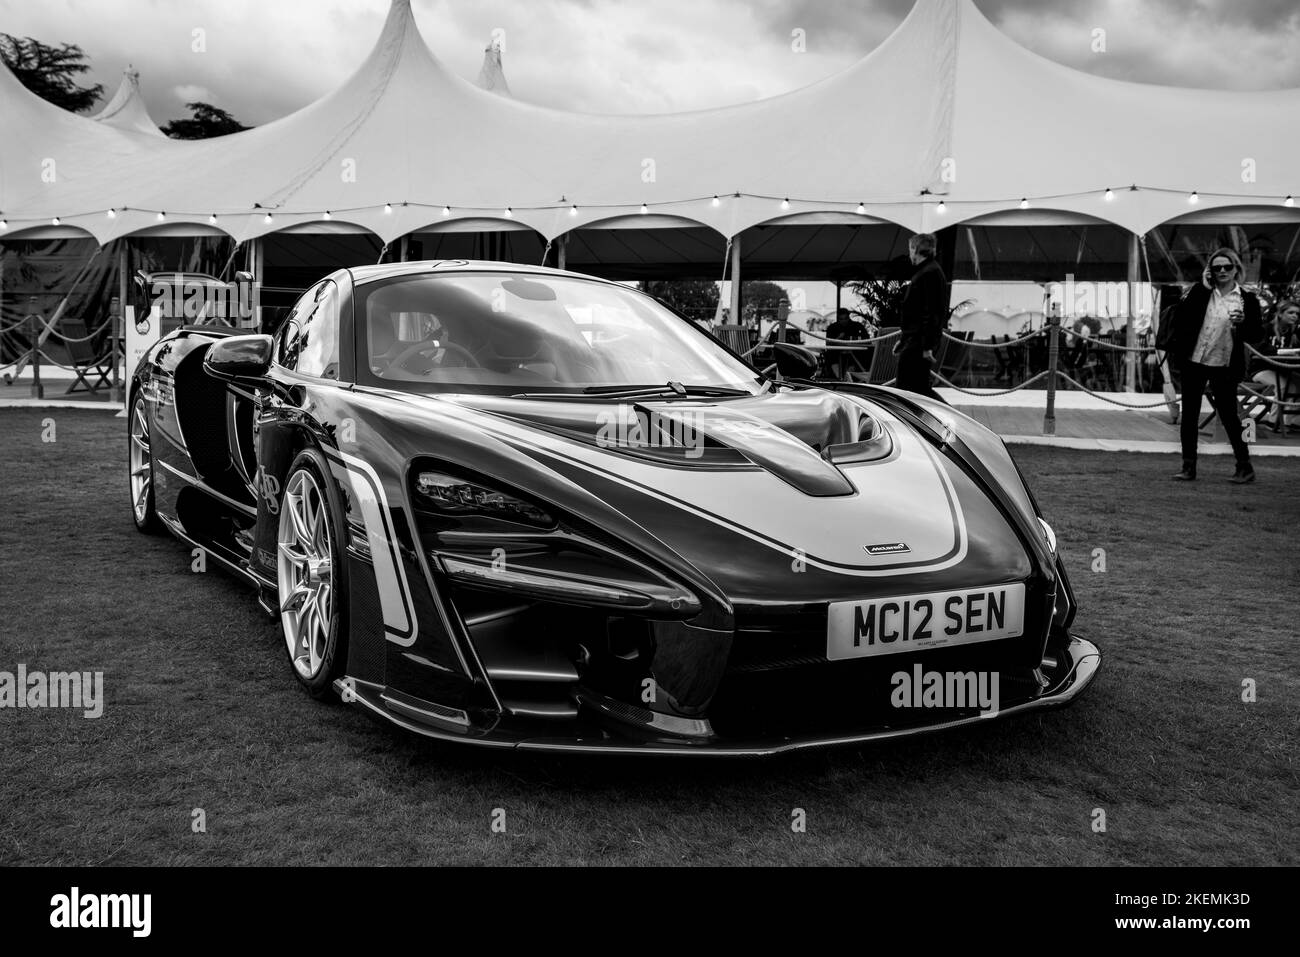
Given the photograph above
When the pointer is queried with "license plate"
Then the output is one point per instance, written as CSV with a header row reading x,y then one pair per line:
x,y
887,626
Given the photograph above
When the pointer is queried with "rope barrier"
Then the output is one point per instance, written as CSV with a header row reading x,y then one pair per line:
x,y
975,344
1271,400
1107,345
1290,366
1126,405
1024,385
848,342
47,331
46,359
86,338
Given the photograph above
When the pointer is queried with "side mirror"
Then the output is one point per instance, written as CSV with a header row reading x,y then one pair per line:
x,y
239,358
794,362
140,298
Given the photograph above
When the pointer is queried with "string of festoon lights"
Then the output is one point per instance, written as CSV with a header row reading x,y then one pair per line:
x,y
936,201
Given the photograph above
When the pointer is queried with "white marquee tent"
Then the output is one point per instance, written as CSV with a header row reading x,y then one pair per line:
x,y
948,121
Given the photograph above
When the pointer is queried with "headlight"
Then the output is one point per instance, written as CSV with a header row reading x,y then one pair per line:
x,y
1051,535
456,496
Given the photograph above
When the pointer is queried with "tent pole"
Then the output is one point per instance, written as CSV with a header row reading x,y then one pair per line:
x,y
123,264
735,281
838,286
258,255
562,254
1130,335
404,249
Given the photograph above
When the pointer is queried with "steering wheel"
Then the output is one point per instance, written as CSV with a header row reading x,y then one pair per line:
x,y
399,361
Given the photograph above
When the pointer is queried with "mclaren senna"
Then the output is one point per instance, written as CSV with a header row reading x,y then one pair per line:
x,y
524,508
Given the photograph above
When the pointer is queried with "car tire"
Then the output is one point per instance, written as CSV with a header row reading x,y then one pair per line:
x,y
312,575
139,469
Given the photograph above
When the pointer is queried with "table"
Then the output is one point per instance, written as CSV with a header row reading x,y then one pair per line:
x,y
850,352
1284,385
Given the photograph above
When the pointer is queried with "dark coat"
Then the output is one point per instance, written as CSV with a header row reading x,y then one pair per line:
x,y
925,308
1179,336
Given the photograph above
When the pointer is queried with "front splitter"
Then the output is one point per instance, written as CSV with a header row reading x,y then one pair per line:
x,y
1082,661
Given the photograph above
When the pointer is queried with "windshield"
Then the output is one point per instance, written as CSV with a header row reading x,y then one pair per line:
x,y
504,333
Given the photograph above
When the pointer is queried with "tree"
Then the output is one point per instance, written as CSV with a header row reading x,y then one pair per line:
x,y
207,121
881,299
694,298
50,72
760,299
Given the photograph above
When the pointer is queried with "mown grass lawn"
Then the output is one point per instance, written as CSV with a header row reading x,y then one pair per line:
x,y
1199,593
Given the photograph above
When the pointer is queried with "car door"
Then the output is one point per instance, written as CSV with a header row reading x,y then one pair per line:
x,y
305,356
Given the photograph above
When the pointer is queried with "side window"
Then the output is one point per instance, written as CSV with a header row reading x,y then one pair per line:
x,y
317,344
288,340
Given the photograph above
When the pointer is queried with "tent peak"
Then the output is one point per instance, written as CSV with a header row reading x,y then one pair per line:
x,y
126,110
492,76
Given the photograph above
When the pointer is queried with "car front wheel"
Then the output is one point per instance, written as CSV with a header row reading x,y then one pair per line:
x,y
140,469
311,575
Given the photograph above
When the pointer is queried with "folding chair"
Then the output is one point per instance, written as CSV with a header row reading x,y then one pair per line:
x,y
81,352
737,338
884,364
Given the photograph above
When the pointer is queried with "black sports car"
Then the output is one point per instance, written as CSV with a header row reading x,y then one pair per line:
x,y
519,507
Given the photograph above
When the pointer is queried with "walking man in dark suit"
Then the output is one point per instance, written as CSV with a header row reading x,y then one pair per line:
x,y
925,309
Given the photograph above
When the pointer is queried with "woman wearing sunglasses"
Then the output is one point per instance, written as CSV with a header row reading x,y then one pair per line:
x,y
1207,339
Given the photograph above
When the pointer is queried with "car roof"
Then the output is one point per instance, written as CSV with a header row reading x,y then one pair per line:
x,y
367,274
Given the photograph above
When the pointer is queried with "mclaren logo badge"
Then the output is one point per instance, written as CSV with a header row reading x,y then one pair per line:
x,y
891,548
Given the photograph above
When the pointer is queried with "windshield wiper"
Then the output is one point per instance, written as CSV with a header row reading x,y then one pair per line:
x,y
670,390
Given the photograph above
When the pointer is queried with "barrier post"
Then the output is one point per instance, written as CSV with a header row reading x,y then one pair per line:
x,y
115,312
34,327
1053,355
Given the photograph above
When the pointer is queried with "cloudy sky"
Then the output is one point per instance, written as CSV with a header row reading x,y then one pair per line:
x,y
266,58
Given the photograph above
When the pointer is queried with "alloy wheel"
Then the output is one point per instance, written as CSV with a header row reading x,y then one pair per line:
x,y
305,579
